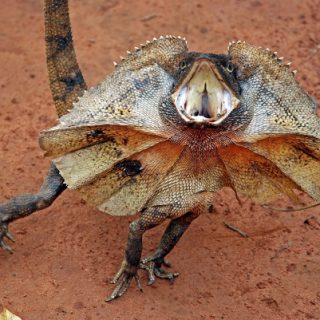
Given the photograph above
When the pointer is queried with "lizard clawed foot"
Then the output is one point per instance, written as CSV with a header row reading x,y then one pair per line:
x,y
153,266
124,276
4,233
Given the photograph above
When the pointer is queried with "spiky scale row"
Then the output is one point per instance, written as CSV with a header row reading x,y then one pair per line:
x,y
148,42
280,60
274,55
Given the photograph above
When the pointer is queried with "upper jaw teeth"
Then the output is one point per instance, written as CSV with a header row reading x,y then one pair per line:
x,y
204,98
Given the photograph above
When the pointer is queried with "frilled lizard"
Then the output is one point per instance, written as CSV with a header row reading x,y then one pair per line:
x,y
166,130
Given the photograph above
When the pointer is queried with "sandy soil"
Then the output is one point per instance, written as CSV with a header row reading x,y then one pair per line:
x,y
66,255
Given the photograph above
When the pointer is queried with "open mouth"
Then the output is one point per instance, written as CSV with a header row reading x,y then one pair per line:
x,y
203,96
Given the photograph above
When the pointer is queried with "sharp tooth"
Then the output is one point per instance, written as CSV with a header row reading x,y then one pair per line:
x,y
227,101
182,97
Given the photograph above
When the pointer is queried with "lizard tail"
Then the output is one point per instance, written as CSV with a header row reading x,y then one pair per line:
x,y
66,80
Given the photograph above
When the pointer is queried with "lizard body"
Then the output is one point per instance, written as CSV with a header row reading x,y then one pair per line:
x,y
166,130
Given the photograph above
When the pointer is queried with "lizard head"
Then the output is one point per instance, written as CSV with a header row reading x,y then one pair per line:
x,y
206,91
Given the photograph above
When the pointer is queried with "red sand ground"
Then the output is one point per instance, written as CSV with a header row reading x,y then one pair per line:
x,y
66,255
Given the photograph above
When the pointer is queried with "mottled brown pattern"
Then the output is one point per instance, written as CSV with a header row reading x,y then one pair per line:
x,y
66,80
180,173
264,145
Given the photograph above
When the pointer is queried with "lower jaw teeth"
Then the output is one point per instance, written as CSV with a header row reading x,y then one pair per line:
x,y
211,107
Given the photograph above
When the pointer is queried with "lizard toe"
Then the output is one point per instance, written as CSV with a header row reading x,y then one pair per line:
x,y
154,270
124,277
4,233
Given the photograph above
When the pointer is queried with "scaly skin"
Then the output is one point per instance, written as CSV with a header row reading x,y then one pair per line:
x,y
66,80
128,124
66,84
126,148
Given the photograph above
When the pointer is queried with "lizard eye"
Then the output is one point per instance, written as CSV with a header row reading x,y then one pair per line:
x,y
229,68
182,64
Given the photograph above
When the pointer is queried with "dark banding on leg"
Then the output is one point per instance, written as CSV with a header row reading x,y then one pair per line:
x,y
170,238
25,204
128,270
66,84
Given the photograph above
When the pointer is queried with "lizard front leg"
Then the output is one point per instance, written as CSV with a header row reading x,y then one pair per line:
x,y
25,204
170,238
66,84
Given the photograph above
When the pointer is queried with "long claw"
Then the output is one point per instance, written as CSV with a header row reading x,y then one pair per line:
x,y
165,275
120,289
10,236
4,233
109,299
167,263
154,270
137,278
125,275
152,278
149,269
119,273
5,247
